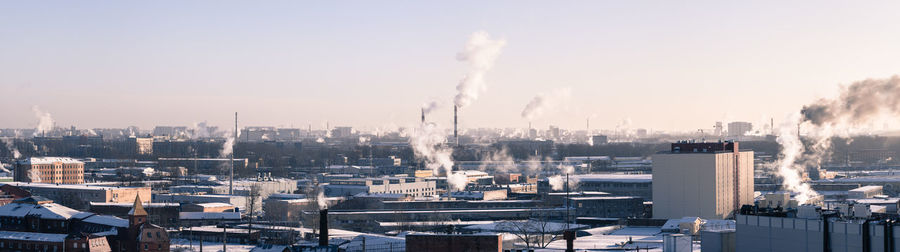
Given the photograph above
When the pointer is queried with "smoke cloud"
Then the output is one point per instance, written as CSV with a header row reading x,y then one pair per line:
x,y
788,166
543,102
320,199
480,52
228,146
45,121
11,147
427,142
558,182
430,106
859,103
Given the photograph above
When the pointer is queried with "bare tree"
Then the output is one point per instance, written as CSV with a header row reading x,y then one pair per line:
x,y
536,232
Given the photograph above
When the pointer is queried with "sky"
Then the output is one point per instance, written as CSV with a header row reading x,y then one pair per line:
x,y
660,65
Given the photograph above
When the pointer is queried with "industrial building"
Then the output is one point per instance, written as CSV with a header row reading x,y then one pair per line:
x,y
707,180
81,196
57,170
409,186
812,229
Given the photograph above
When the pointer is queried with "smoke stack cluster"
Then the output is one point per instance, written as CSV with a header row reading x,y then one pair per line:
x,y
323,227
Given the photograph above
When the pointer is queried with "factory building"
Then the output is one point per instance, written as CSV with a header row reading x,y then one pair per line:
x,y
57,170
408,186
812,229
707,180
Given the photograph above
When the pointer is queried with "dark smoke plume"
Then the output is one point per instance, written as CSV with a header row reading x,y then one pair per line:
x,y
859,102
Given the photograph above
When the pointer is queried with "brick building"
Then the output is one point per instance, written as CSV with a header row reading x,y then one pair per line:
x,y
56,170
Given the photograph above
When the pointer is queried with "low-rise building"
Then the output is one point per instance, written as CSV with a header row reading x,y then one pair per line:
x,y
409,186
80,196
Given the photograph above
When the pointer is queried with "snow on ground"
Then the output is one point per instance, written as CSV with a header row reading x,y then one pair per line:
x,y
614,238
207,246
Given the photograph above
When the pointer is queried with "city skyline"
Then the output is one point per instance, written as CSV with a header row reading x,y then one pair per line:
x,y
284,63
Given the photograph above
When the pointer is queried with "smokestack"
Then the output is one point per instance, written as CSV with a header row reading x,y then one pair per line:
x,y
423,115
323,227
455,124
231,174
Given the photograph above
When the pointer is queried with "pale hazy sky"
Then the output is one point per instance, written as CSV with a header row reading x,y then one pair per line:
x,y
666,65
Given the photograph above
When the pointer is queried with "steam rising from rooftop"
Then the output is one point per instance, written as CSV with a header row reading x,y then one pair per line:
x,y
45,121
481,51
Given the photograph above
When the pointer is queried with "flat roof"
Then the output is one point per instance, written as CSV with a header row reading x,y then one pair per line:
x,y
69,186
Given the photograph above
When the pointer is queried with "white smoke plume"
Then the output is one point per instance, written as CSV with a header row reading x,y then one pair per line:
x,y
228,146
544,102
11,147
558,182
500,161
481,51
34,176
200,130
45,121
788,164
427,142
858,104
320,199
430,106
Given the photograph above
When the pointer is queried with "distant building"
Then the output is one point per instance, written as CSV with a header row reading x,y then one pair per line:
x,y
339,132
57,170
599,139
409,186
608,206
141,145
706,180
739,128
203,165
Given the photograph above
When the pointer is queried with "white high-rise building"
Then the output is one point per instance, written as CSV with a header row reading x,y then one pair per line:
x,y
706,180
736,129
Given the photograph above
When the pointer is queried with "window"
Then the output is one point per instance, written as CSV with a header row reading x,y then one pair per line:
x,y
145,247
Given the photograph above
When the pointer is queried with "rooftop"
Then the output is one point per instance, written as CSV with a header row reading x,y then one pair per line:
x,y
49,160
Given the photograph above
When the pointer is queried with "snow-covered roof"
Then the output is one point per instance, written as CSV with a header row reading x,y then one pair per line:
x,y
209,216
107,221
622,178
215,204
51,211
49,160
67,186
28,236
525,225
603,198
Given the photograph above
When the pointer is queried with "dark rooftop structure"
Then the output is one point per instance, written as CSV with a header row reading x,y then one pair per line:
x,y
704,147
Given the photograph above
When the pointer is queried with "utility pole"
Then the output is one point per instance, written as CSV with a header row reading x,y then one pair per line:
x,y
224,236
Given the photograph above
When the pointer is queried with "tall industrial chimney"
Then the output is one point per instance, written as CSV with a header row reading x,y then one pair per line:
x,y
231,174
323,227
423,115
455,124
